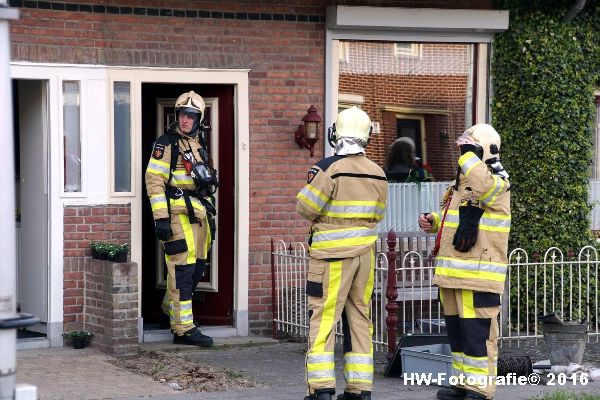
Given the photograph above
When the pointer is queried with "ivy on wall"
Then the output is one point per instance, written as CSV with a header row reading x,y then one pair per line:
x,y
544,75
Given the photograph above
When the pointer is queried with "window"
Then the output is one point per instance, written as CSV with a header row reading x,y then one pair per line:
x,y
596,166
122,136
407,49
71,136
343,54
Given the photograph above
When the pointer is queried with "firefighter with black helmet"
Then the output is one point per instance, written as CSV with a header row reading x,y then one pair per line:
x,y
180,181
471,265
344,198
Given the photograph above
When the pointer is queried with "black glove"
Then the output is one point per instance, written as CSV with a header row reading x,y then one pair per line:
x,y
478,150
468,226
162,227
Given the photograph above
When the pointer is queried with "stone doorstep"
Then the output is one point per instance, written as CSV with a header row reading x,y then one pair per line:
x,y
164,335
226,341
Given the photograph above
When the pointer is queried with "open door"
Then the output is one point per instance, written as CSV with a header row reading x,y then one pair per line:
x,y
31,141
213,298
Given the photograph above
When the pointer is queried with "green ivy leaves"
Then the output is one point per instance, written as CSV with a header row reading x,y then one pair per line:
x,y
544,74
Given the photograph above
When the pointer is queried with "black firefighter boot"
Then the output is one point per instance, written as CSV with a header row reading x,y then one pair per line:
x,y
193,337
355,396
451,393
471,395
321,394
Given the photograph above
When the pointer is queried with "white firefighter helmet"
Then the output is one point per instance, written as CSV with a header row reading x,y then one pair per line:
x,y
353,123
191,102
486,137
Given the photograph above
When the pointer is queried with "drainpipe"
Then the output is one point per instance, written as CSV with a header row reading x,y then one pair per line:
x,y
574,10
10,321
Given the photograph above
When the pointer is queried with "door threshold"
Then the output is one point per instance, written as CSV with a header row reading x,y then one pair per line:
x,y
164,335
33,343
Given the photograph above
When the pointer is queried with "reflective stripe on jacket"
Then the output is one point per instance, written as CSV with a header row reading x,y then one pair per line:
x,y
483,267
345,197
157,176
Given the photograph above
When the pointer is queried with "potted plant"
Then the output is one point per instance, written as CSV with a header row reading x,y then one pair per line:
x,y
79,339
122,251
117,252
95,249
110,251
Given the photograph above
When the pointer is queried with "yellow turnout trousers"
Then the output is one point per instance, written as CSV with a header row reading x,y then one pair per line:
x,y
340,288
472,326
185,255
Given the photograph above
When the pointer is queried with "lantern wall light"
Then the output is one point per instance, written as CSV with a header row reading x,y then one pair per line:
x,y
307,134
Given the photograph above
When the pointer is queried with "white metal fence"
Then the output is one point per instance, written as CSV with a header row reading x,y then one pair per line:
x,y
567,285
291,308
407,200
595,200
534,287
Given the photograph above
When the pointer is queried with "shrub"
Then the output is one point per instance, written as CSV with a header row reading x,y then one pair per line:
x,y
544,73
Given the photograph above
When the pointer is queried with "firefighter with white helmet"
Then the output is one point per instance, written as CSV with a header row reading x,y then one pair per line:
x,y
180,181
344,198
470,267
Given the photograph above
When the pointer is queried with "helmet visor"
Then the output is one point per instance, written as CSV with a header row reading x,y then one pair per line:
x,y
188,110
466,138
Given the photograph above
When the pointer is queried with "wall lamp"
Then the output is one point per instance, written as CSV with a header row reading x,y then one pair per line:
x,y
307,134
443,136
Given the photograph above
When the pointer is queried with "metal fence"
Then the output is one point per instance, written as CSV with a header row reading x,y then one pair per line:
x,y
595,200
567,285
290,306
407,200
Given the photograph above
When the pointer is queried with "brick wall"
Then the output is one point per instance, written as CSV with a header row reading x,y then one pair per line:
x,y
82,225
111,305
282,45
444,93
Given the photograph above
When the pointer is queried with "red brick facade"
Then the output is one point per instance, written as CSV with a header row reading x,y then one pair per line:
x,y
282,44
82,225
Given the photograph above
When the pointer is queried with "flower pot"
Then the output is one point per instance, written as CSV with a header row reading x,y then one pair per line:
x,y
102,256
95,254
121,257
78,342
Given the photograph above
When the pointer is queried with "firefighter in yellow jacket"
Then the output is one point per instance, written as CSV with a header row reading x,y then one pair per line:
x,y
179,182
470,267
344,198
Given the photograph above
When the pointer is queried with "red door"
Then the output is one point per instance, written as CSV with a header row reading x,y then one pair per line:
x,y
213,299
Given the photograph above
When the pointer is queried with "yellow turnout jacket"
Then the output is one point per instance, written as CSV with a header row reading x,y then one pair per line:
x,y
344,197
483,267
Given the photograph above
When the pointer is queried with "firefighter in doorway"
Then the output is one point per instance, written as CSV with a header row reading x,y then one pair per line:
x,y
470,268
180,182
344,198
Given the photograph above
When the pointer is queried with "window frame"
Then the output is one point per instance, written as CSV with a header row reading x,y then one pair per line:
x,y
399,24
82,193
132,141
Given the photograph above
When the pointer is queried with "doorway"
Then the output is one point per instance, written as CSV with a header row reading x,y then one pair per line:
x,y
30,116
411,128
214,296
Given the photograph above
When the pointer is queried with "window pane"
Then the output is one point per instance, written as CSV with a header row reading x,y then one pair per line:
x,y
71,137
419,91
122,139
596,166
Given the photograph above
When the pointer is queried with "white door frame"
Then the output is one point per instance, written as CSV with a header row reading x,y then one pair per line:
x,y
97,183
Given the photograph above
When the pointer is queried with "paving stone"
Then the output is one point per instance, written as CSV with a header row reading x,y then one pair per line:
x,y
64,373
